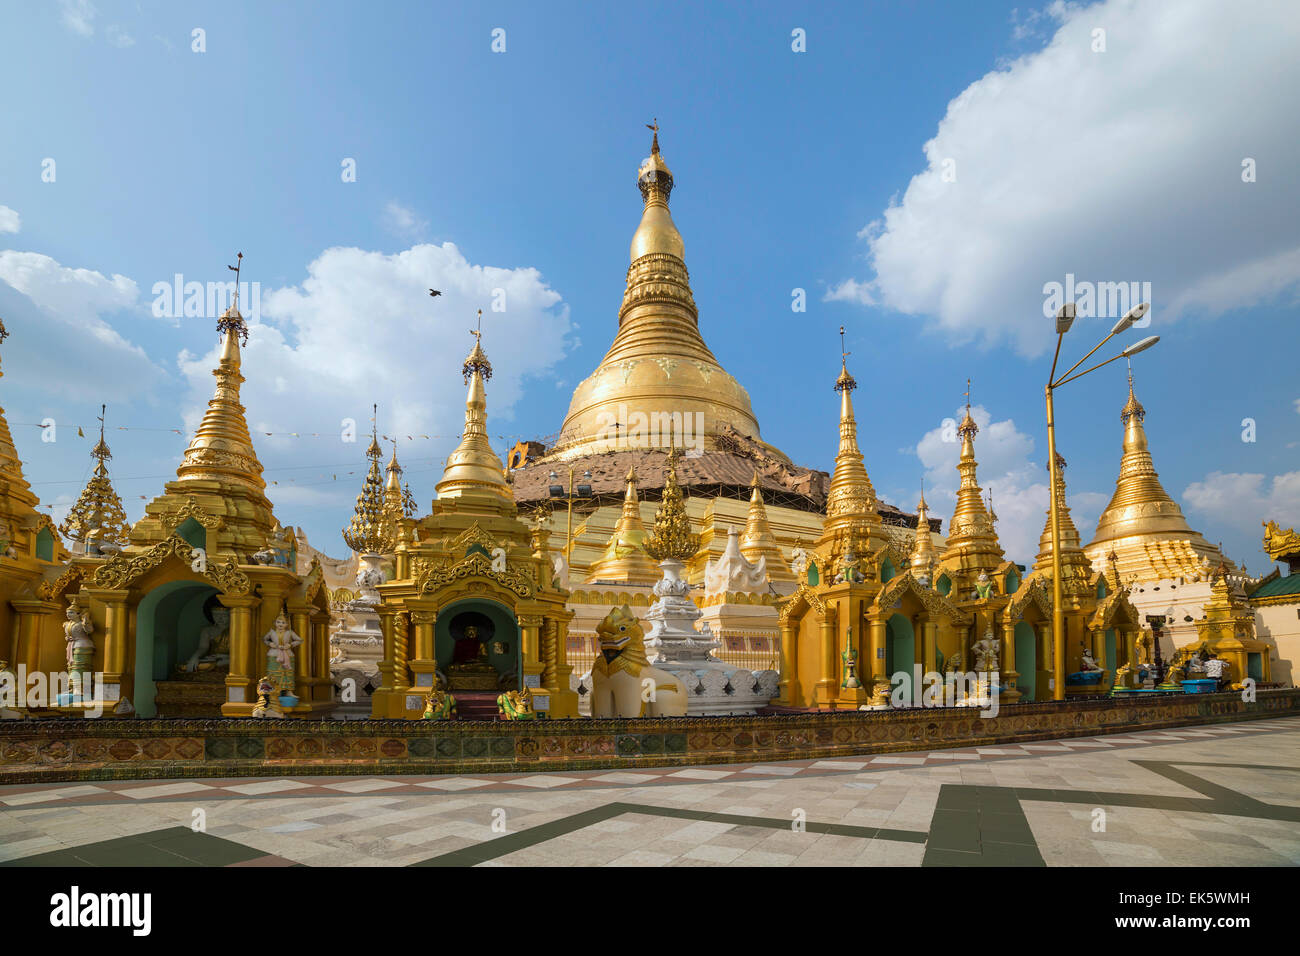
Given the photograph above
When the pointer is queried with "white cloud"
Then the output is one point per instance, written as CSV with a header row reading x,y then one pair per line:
x,y
362,328
1115,166
1231,497
77,16
401,221
119,37
74,353
10,221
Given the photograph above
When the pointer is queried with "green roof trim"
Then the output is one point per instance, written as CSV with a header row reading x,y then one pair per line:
x,y
1287,584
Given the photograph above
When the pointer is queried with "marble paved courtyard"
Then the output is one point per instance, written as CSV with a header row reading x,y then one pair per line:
x,y
1217,795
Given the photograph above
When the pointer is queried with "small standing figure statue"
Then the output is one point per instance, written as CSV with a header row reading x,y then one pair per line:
x,y
80,648
281,643
850,659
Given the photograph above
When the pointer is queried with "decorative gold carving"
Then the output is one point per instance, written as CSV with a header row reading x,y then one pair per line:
x,y
123,569
672,538
1035,591
931,600
476,565
53,589
190,509
1280,544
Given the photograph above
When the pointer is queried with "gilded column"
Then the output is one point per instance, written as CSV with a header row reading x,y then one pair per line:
x,y
240,682
30,617
379,699
828,685
929,645
302,627
879,679
530,627
423,663
1008,663
401,650
550,653
788,693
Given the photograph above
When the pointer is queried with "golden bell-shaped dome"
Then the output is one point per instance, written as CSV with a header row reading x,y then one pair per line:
x,y
658,376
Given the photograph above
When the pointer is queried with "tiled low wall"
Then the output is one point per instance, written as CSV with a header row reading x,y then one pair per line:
x,y
119,749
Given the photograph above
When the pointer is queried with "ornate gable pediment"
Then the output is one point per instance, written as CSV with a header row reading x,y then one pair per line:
x,y
931,600
1111,607
1031,591
55,587
476,565
121,571
805,594
172,520
471,536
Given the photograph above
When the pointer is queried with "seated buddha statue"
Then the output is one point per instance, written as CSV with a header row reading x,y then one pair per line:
x,y
213,650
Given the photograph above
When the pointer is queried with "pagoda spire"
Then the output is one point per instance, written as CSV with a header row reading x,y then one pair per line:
x,y
624,559
222,448
16,488
972,541
1076,570
851,499
474,470
98,516
369,531
923,558
758,540
1142,524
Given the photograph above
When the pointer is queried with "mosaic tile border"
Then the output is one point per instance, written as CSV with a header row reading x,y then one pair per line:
x,y
120,749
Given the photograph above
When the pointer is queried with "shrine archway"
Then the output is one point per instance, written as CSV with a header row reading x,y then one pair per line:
x,y
900,649
1026,660
497,630
168,620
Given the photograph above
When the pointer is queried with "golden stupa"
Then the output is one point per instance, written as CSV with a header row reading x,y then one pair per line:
x,y
1142,524
658,368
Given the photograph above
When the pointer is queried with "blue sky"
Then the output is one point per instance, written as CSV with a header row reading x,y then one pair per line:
x,y
921,170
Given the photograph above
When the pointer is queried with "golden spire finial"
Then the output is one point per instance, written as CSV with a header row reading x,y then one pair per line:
x,y
846,382
654,145
1132,408
967,429
100,450
477,360
374,451
231,320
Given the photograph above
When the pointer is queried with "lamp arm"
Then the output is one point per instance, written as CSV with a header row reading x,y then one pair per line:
x,y
1060,336
1065,377
1087,370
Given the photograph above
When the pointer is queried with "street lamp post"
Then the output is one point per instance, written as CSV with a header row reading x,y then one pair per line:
x,y
556,491
1064,319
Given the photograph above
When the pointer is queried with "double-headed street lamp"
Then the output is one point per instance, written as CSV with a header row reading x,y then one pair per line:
x,y
1064,319
557,491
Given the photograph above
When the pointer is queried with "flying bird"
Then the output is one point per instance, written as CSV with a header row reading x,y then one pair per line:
x,y
434,292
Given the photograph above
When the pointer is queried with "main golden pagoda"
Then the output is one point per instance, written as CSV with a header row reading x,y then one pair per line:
x,y
659,383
